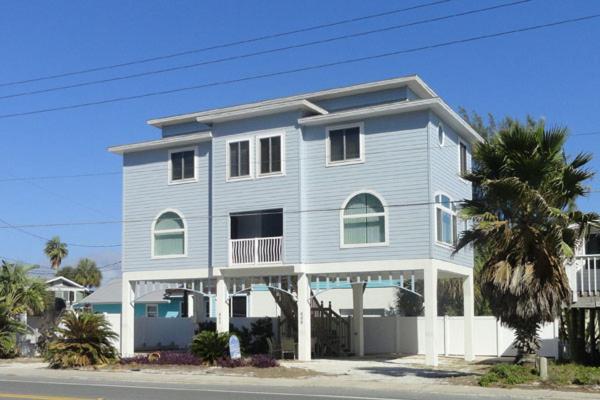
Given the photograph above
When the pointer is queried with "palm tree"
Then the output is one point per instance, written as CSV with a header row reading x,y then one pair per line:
x,y
19,294
87,273
83,339
524,211
56,251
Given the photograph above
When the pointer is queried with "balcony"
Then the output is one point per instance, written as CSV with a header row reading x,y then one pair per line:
x,y
587,275
256,237
268,250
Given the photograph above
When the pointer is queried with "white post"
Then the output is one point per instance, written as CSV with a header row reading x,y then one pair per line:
x,y
358,324
304,313
222,306
430,293
498,338
127,317
469,316
446,335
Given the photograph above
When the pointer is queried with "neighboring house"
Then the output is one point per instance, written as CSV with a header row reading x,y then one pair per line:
x,y
337,190
67,290
584,271
153,304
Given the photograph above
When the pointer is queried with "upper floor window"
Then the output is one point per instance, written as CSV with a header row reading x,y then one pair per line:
x,y
182,165
445,219
169,235
239,159
441,134
462,158
270,154
363,221
345,144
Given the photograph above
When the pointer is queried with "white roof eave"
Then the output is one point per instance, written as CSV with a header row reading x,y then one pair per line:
x,y
414,82
172,141
435,104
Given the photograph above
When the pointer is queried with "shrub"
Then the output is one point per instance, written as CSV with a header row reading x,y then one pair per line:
x,y
574,374
507,374
227,362
83,340
263,361
210,346
163,358
206,326
261,330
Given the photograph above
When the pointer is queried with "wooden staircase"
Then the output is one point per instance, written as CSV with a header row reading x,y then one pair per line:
x,y
330,331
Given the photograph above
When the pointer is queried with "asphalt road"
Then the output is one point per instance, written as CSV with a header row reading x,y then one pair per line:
x,y
35,389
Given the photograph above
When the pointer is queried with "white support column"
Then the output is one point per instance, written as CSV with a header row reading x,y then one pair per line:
x,y
430,298
469,316
222,306
304,328
358,323
127,317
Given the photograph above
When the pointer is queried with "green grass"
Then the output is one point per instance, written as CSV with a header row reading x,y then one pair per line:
x,y
558,374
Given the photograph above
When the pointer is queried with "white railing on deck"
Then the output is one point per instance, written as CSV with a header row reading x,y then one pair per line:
x,y
588,275
266,250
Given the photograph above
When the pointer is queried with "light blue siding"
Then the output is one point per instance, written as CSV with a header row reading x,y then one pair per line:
x,y
365,99
146,193
258,193
444,177
140,309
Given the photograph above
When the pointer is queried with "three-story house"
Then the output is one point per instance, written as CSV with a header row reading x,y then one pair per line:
x,y
350,187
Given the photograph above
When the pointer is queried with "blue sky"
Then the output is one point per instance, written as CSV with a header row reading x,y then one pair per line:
x,y
551,73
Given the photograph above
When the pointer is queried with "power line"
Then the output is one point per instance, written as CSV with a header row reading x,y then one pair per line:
x,y
262,52
223,45
302,69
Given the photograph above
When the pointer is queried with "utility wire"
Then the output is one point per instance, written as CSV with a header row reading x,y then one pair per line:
x,y
305,68
262,52
223,45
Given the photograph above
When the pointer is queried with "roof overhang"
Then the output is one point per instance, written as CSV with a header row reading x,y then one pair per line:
x,y
413,82
435,104
179,140
260,110
73,285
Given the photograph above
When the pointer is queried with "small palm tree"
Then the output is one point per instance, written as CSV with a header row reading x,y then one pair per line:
x,y
56,251
84,339
524,213
87,273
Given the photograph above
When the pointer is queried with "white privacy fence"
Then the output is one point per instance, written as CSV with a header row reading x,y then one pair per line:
x,y
256,250
406,335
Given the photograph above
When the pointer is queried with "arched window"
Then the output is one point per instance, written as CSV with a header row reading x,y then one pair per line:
x,y
445,218
363,221
169,235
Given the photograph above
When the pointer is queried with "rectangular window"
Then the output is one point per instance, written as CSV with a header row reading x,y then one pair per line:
x,y
182,165
151,310
446,227
345,144
270,155
239,159
462,149
239,306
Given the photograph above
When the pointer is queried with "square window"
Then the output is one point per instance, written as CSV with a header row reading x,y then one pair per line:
x,y
151,310
239,306
345,145
182,165
239,159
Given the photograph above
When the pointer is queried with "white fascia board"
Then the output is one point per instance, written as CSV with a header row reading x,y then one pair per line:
x,y
415,83
172,141
261,110
436,104
67,280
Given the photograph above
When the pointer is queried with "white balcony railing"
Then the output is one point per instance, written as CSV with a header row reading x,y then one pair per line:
x,y
588,275
268,250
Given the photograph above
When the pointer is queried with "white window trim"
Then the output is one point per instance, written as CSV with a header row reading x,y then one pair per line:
x,y
247,305
258,158
459,142
170,181
361,143
185,235
152,305
251,160
384,214
436,205
443,141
